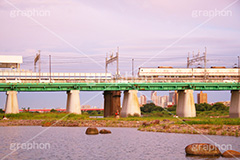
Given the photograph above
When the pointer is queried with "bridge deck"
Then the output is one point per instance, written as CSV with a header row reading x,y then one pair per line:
x,y
32,87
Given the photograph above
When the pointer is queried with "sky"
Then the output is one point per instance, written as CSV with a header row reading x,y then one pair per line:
x,y
79,33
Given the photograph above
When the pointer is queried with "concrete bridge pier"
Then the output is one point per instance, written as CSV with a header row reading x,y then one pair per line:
x,y
11,105
130,104
186,106
111,102
116,102
107,103
234,110
73,102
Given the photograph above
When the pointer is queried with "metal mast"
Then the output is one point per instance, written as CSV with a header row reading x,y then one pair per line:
x,y
50,68
111,60
205,63
37,59
238,70
117,62
198,58
132,67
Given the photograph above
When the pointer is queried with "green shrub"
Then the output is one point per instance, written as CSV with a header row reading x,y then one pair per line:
x,y
1,111
53,110
150,107
173,108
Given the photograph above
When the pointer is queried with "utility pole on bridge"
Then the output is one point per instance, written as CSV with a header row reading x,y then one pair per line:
x,y
50,68
198,58
132,67
37,59
111,60
238,70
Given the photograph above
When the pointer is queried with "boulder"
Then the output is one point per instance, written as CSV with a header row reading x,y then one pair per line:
x,y
46,124
104,131
231,154
144,124
155,122
166,120
92,131
202,149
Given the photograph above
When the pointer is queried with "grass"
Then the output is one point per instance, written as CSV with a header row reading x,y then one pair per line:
x,y
57,116
212,132
212,113
213,121
224,133
146,118
48,116
160,114
236,133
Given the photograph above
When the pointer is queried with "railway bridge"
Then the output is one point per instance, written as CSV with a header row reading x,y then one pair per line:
x,y
182,80
112,92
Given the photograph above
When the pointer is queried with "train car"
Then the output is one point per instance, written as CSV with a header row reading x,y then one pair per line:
x,y
165,67
28,76
218,67
189,72
164,72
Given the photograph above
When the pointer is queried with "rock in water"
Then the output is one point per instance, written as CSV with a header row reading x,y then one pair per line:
x,y
92,130
104,131
231,154
202,149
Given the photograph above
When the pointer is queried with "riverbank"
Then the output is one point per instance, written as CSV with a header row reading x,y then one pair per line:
x,y
149,124
72,123
206,129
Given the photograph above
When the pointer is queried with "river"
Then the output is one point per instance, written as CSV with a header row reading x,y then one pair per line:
x,y
124,143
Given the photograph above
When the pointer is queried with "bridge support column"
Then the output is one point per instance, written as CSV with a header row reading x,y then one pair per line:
x,y
116,102
111,102
234,110
186,106
73,102
130,104
11,105
107,103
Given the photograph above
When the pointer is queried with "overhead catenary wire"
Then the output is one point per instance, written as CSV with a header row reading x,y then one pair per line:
x,y
71,63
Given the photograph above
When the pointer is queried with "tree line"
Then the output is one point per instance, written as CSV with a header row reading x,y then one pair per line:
x,y
151,107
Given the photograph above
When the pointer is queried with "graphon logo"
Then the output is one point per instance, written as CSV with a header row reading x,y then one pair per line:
x,y
224,147
206,147
29,13
29,146
211,13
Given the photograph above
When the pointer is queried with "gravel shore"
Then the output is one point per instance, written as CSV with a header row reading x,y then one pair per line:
x,y
164,125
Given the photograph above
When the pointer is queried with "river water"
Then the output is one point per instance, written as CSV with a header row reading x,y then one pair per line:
x,y
123,143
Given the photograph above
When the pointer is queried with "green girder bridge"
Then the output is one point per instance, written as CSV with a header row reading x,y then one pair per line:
x,y
112,94
41,87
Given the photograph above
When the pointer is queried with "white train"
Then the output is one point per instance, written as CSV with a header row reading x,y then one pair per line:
x,y
11,76
214,72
